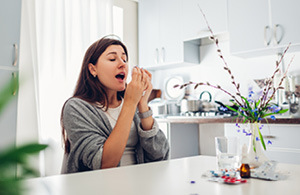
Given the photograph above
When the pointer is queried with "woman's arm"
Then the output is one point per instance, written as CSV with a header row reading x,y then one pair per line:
x,y
143,107
115,144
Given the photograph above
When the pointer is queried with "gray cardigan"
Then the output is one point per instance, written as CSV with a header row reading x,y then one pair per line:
x,y
87,129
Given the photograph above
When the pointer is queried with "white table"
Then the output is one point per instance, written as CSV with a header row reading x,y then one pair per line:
x,y
162,178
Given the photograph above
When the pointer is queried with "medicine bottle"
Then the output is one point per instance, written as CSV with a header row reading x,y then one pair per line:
x,y
245,168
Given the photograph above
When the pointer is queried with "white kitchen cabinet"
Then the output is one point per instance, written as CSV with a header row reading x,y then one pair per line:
x,y
10,18
263,27
184,140
159,32
285,147
170,30
193,23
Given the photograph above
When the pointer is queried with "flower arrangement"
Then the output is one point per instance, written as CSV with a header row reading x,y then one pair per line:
x,y
248,109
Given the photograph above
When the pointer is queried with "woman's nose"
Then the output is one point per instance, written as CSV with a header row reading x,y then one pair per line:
x,y
122,63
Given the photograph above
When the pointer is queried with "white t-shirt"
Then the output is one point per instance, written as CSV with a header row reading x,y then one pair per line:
x,y
128,157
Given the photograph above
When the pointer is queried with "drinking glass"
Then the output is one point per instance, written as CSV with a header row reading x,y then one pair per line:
x,y
227,151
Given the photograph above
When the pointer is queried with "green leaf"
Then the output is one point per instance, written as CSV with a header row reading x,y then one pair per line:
x,y
268,114
253,140
232,109
10,186
27,171
18,154
249,108
262,139
282,111
257,103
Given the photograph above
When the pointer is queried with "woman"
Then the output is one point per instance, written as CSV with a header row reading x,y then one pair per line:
x,y
104,125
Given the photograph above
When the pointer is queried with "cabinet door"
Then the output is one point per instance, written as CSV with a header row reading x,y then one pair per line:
x,y
159,32
171,43
247,21
284,16
148,13
285,147
194,25
8,116
10,18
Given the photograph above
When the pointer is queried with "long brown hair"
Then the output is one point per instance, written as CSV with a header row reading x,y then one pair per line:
x,y
88,87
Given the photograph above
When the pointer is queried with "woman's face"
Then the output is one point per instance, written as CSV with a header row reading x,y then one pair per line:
x,y
111,68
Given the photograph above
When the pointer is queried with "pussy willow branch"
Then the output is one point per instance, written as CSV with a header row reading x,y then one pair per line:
x,y
210,85
237,85
269,83
281,81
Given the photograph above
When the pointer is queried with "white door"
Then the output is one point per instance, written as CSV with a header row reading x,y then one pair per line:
x,y
285,15
193,23
148,13
171,43
249,26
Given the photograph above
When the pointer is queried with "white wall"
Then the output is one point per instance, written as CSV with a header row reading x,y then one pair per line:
x,y
211,69
130,11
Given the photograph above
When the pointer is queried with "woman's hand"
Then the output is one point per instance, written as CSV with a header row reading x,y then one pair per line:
x,y
138,84
146,77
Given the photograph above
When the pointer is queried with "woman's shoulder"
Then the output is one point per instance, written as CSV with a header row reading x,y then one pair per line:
x,y
73,101
80,104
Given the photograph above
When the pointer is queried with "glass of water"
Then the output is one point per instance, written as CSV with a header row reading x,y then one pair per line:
x,y
228,153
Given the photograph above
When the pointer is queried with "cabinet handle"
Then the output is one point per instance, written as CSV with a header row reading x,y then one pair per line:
x,y
267,42
157,56
269,136
275,34
163,55
16,55
14,83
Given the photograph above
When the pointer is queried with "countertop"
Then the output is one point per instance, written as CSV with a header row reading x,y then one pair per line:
x,y
213,119
172,177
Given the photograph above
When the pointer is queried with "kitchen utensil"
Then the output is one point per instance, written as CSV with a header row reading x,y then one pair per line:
x,y
193,105
207,105
173,107
172,93
183,106
158,107
294,104
190,105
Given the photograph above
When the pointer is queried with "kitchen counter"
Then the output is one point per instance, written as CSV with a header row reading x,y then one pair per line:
x,y
161,178
217,119
190,136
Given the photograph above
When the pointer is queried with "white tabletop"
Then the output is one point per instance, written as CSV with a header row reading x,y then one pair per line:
x,y
162,178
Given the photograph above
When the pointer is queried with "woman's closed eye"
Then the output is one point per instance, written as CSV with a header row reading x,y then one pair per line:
x,y
114,59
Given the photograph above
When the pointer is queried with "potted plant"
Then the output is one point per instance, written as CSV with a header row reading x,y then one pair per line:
x,y
249,110
13,157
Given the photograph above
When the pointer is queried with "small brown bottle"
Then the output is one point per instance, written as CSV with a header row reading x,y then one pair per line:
x,y
245,168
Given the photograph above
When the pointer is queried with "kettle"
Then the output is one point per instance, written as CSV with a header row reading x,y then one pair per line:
x,y
207,105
